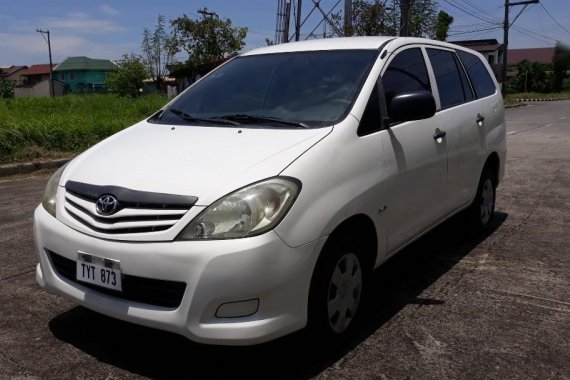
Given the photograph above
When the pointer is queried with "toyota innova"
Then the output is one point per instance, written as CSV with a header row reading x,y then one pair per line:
x,y
259,200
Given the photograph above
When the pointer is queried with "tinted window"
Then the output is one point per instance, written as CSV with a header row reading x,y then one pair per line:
x,y
467,90
406,73
451,92
480,78
371,120
316,88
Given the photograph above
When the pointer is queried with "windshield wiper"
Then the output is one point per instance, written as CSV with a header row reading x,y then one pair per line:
x,y
187,117
244,118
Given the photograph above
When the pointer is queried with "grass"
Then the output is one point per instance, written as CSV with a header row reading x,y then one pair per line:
x,y
513,98
565,94
38,128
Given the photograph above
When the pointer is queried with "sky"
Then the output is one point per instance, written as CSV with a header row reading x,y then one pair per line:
x,y
109,29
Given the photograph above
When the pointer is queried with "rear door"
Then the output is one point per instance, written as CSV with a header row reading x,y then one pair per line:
x,y
461,116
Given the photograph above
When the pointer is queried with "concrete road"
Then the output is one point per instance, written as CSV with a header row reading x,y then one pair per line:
x,y
450,306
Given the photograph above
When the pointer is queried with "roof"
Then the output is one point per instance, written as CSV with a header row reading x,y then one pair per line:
x,y
85,63
341,43
484,48
490,41
479,45
539,55
11,70
38,69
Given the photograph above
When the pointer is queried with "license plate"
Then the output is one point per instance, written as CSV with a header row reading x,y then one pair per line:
x,y
98,271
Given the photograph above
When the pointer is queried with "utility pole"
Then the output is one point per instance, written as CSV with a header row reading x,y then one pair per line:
x,y
287,20
405,18
506,25
206,13
347,18
298,21
51,87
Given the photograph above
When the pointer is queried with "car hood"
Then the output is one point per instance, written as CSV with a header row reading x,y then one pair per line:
x,y
205,162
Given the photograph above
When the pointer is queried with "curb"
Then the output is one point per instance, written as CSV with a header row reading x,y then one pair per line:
x,y
541,99
29,167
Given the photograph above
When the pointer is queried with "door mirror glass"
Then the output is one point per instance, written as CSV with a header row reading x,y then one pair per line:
x,y
411,106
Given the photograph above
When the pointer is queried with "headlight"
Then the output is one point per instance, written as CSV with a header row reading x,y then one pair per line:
x,y
249,211
49,200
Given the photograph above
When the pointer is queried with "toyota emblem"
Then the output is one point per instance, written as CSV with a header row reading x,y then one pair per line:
x,y
107,205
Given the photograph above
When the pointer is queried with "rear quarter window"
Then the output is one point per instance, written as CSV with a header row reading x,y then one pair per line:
x,y
480,79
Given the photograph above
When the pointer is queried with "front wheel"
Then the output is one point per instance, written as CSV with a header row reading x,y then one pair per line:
x,y
482,209
337,289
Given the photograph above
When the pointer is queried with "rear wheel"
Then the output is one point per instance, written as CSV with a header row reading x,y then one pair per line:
x,y
337,289
482,209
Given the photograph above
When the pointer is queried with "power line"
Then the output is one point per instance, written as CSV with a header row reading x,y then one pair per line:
x,y
474,31
539,19
553,19
479,9
468,12
536,35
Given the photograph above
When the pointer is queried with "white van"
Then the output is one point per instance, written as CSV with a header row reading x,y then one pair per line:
x,y
260,200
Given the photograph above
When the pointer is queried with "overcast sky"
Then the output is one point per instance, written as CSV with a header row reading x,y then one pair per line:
x,y
108,29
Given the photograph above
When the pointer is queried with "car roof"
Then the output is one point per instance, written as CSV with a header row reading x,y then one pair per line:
x,y
341,43
349,43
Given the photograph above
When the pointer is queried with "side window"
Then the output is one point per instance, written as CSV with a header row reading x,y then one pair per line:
x,y
406,73
467,90
447,77
480,78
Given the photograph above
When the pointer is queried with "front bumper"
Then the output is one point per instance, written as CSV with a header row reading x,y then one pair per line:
x,y
215,272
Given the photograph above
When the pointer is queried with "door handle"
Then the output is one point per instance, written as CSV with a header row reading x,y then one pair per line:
x,y
439,134
480,119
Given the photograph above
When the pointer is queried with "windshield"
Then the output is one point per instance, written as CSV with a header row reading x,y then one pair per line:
x,y
300,89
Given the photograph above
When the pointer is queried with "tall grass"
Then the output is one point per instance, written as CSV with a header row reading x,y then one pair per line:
x,y
67,124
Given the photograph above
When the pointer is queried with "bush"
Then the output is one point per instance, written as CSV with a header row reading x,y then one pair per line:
x,y
127,80
6,88
531,77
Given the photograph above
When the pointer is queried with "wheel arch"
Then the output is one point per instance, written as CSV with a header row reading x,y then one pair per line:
x,y
493,164
362,226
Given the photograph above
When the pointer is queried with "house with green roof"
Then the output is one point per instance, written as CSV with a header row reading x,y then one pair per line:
x,y
84,74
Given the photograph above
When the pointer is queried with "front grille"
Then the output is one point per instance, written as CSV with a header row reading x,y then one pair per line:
x,y
140,289
137,211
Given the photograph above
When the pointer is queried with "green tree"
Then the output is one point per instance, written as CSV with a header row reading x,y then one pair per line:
x,y
158,49
560,65
444,20
6,88
127,80
423,18
373,18
531,77
207,41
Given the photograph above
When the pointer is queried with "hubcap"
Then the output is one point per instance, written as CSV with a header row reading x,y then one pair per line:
x,y
344,292
487,201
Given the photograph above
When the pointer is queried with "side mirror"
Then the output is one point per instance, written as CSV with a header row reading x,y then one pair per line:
x,y
411,106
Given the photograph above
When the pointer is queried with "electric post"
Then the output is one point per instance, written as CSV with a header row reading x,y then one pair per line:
x,y
298,21
405,18
51,87
206,13
347,18
506,26
287,21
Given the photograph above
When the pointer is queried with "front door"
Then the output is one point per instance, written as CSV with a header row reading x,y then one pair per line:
x,y
417,159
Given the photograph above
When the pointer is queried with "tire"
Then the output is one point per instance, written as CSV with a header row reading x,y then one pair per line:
x,y
337,289
481,211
